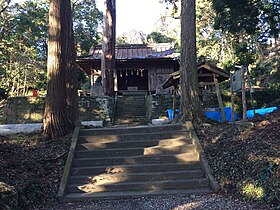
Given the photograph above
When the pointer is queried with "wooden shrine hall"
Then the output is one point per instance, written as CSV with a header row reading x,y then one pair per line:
x,y
138,67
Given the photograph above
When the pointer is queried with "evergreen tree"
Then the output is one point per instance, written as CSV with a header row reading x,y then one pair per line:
x,y
190,102
56,121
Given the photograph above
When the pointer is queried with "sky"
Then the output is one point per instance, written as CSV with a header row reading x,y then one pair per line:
x,y
139,15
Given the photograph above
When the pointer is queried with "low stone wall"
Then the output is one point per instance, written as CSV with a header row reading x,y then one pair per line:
x,y
16,110
96,108
158,104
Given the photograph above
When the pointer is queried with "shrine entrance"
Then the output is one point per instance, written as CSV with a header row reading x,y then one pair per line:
x,y
132,79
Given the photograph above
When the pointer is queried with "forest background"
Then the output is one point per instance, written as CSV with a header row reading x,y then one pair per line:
x,y
229,33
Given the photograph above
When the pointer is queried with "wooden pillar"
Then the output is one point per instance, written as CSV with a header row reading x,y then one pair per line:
x,y
220,101
243,93
108,47
232,98
251,90
115,81
91,78
174,101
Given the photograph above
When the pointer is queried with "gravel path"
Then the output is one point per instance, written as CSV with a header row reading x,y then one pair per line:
x,y
179,202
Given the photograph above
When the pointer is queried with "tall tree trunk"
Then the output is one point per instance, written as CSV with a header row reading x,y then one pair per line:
x,y
108,47
190,102
71,66
55,121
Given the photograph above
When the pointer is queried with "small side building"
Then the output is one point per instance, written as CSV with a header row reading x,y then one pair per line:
x,y
206,72
209,77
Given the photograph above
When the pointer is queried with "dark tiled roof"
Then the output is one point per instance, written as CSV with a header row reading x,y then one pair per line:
x,y
137,51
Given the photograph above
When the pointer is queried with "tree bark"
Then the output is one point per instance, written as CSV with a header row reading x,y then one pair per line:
x,y
55,121
108,47
71,66
190,102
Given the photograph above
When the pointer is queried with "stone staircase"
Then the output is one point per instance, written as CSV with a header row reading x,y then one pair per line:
x,y
130,110
133,162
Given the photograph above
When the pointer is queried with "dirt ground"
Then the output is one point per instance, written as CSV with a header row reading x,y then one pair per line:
x,y
33,166
244,158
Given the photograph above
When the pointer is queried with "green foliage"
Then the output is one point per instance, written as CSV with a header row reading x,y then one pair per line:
x,y
236,32
4,4
132,37
32,26
215,45
23,41
23,47
158,37
244,55
173,3
86,19
270,19
236,15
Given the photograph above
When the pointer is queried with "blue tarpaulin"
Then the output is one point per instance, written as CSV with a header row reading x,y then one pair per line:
x,y
217,115
250,113
170,113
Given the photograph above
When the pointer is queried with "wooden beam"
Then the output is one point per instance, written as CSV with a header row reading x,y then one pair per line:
x,y
202,84
216,71
207,75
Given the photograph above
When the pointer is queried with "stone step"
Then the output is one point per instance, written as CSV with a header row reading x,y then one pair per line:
x,y
130,109
131,135
135,168
122,162
106,178
135,137
134,129
131,113
128,121
198,183
126,116
146,159
132,98
137,143
130,106
133,106
131,103
129,152
132,194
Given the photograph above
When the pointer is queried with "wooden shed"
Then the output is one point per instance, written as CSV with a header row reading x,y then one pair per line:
x,y
139,67
209,77
206,72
